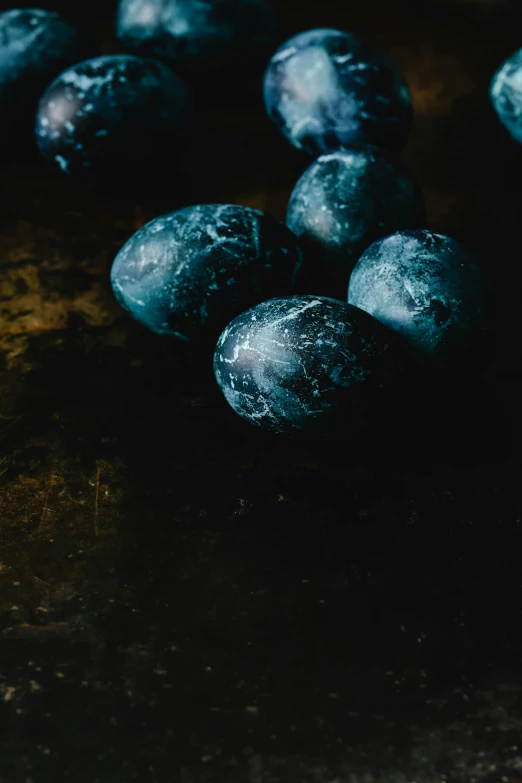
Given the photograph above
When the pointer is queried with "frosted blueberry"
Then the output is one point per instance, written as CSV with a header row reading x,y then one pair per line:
x,y
187,273
424,286
191,30
327,89
506,95
303,364
347,199
109,111
35,46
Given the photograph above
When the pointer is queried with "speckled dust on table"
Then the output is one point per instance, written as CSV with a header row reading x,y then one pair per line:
x,y
185,599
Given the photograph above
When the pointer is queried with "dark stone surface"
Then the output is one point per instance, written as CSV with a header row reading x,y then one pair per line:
x,y
35,46
424,286
303,364
327,90
183,597
345,201
109,113
188,273
195,34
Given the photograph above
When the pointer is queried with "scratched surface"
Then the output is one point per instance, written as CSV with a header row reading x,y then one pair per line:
x,y
185,599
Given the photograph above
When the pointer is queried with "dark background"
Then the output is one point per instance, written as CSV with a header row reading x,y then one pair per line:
x,y
185,599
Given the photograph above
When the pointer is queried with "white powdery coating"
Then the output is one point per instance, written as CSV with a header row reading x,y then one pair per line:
x,y
321,85
506,95
286,363
188,268
114,92
144,18
33,45
19,45
145,14
347,199
320,203
181,28
318,85
422,285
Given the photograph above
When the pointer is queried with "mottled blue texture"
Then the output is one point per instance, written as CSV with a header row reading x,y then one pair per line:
x,y
35,46
506,95
108,110
326,90
189,272
346,200
302,364
424,286
186,30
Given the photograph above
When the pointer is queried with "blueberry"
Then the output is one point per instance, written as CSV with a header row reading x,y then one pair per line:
x,y
185,31
110,111
303,364
327,89
506,95
424,286
347,199
35,46
187,273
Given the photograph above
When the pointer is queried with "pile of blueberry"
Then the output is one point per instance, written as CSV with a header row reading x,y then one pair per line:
x,y
288,363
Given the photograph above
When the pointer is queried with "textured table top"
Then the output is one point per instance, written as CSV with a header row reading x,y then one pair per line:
x,y
185,599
